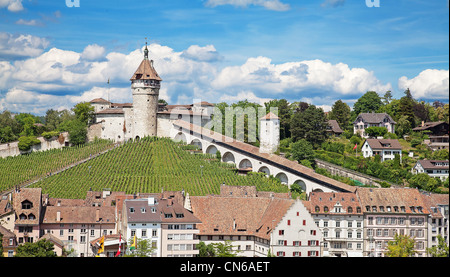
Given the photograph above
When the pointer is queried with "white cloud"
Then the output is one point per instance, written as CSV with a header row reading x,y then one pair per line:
x,y
21,46
429,84
32,22
260,74
202,54
274,5
12,5
244,95
93,52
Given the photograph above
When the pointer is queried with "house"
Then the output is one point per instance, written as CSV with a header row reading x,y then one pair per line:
x,y
438,128
340,219
386,148
391,211
334,128
437,142
9,242
366,120
170,227
438,223
27,205
257,223
6,212
433,168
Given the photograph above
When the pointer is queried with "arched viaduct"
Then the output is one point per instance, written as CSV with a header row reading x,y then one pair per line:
x,y
247,157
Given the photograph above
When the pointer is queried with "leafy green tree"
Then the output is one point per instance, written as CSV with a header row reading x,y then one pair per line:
x,y
225,249
143,248
375,131
387,97
84,112
77,131
52,119
284,113
341,113
403,126
25,143
401,246
302,150
310,125
369,102
41,248
441,250
205,250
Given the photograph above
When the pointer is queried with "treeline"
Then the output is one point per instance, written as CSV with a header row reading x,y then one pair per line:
x,y
25,127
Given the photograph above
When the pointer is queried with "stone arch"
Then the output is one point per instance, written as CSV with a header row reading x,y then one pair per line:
x,y
265,170
245,163
198,143
212,149
180,137
228,157
282,177
301,183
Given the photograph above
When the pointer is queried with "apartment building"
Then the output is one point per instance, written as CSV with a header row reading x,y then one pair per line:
x,y
168,225
27,206
390,211
437,222
340,219
257,223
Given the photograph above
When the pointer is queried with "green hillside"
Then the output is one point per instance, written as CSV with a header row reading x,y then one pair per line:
x,y
24,169
148,166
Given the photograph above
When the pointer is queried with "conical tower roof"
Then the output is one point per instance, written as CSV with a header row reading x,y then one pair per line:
x,y
146,71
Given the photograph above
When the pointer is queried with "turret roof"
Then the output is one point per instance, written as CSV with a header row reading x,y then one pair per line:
x,y
146,71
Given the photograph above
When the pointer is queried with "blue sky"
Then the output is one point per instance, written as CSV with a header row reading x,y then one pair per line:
x,y
52,56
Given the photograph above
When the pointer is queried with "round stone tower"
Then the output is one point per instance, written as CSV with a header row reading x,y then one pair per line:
x,y
145,85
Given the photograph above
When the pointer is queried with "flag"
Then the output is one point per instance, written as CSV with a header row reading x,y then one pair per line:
x,y
102,245
356,145
133,245
120,245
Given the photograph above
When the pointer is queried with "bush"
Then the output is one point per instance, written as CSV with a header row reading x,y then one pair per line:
x,y
49,135
25,143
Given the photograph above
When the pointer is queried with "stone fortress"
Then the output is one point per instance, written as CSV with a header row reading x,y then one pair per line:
x,y
121,122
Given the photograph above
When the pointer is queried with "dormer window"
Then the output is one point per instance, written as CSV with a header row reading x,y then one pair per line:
x,y
26,205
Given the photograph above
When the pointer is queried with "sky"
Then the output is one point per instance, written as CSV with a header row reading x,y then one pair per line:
x,y
57,53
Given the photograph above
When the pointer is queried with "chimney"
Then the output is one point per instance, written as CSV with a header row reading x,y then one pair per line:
x,y
97,215
151,201
58,216
423,123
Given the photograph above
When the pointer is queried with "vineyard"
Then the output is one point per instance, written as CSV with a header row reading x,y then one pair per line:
x,y
23,169
150,166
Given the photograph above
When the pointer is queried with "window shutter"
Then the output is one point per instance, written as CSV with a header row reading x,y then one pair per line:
x,y
285,243
289,222
304,222
309,253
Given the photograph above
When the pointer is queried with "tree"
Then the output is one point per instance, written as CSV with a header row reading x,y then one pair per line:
x,y
302,150
387,97
143,248
284,113
375,131
41,248
401,246
77,131
403,126
369,102
225,249
52,119
310,125
406,107
441,250
205,250
341,113
84,112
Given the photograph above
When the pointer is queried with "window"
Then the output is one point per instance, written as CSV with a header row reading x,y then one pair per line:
x,y
26,205
317,209
350,210
325,209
